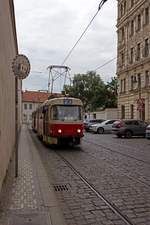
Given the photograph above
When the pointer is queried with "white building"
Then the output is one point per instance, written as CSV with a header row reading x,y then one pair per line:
x,y
30,101
109,113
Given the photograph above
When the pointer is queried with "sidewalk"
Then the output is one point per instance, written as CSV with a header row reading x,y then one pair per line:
x,y
29,199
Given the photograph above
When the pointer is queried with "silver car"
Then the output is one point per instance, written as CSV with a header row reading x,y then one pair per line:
x,y
104,127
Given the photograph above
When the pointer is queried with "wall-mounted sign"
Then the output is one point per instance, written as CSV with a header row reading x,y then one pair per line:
x,y
140,104
21,66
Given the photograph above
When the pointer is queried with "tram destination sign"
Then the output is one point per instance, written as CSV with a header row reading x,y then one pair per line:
x,y
21,66
67,101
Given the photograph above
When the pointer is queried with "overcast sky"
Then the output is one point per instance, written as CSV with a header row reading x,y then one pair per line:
x,y
48,29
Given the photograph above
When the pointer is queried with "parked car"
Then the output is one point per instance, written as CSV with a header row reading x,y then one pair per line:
x,y
104,127
148,132
129,128
88,123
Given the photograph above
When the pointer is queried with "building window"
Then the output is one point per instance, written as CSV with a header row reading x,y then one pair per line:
x,y
147,15
30,117
24,117
132,3
139,80
122,59
138,56
30,106
122,33
125,7
122,112
139,22
121,10
123,86
147,78
132,111
25,106
132,82
132,27
146,47
131,55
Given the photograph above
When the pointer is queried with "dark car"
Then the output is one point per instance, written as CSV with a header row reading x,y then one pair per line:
x,y
129,128
148,132
88,123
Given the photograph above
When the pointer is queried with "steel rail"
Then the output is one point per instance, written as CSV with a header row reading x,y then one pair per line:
x,y
109,149
130,177
99,195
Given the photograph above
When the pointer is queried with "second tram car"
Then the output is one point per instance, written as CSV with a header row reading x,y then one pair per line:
x,y
59,120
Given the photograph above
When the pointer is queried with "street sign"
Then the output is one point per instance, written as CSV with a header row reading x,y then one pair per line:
x,y
21,69
21,66
140,104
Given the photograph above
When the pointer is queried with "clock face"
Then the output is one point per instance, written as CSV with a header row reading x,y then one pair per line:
x,y
21,66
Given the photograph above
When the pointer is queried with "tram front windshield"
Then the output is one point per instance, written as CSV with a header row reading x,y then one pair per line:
x,y
61,112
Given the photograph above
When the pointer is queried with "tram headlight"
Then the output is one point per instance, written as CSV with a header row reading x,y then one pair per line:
x,y
59,131
78,131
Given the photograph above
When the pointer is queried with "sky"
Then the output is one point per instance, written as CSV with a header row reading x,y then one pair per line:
x,y
48,29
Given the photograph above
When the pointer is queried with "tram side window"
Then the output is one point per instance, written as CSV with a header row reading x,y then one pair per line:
x,y
54,113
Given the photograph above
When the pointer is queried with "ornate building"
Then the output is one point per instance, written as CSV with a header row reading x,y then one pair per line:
x,y
133,62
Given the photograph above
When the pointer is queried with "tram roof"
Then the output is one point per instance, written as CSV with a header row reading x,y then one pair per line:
x,y
60,101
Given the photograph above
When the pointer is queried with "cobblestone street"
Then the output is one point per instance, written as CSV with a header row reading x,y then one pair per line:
x,y
118,169
105,181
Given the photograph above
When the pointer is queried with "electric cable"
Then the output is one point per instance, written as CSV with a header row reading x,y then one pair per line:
x,y
71,50
109,61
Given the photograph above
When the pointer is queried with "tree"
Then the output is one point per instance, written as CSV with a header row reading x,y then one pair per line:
x,y
111,99
90,88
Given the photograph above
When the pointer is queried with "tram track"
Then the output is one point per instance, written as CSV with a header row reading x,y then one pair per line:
x,y
115,208
129,176
98,194
120,153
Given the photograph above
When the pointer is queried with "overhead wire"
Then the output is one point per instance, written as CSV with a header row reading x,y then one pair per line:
x,y
107,62
83,33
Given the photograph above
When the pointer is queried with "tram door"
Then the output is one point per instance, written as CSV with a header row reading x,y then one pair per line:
x,y
45,123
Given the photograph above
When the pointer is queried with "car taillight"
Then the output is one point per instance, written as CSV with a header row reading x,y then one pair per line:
x,y
119,125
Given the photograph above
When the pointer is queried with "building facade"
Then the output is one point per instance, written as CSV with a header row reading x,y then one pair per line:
x,y
107,114
133,61
31,100
8,50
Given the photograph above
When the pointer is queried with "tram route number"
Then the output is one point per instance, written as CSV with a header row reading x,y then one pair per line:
x,y
67,101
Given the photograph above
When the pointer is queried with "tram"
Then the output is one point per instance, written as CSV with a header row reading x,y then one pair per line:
x,y
59,121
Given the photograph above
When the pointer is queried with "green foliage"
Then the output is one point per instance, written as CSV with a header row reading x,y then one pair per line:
x,y
111,88
93,92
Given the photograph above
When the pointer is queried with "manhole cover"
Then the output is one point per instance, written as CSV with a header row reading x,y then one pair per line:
x,y
29,219
62,187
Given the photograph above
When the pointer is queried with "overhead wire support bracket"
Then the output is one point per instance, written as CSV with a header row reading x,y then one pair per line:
x,y
55,72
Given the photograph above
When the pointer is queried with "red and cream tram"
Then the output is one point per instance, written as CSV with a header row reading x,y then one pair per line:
x,y
59,120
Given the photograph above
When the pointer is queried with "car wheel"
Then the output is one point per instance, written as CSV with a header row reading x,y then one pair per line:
x,y
128,134
119,135
100,130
